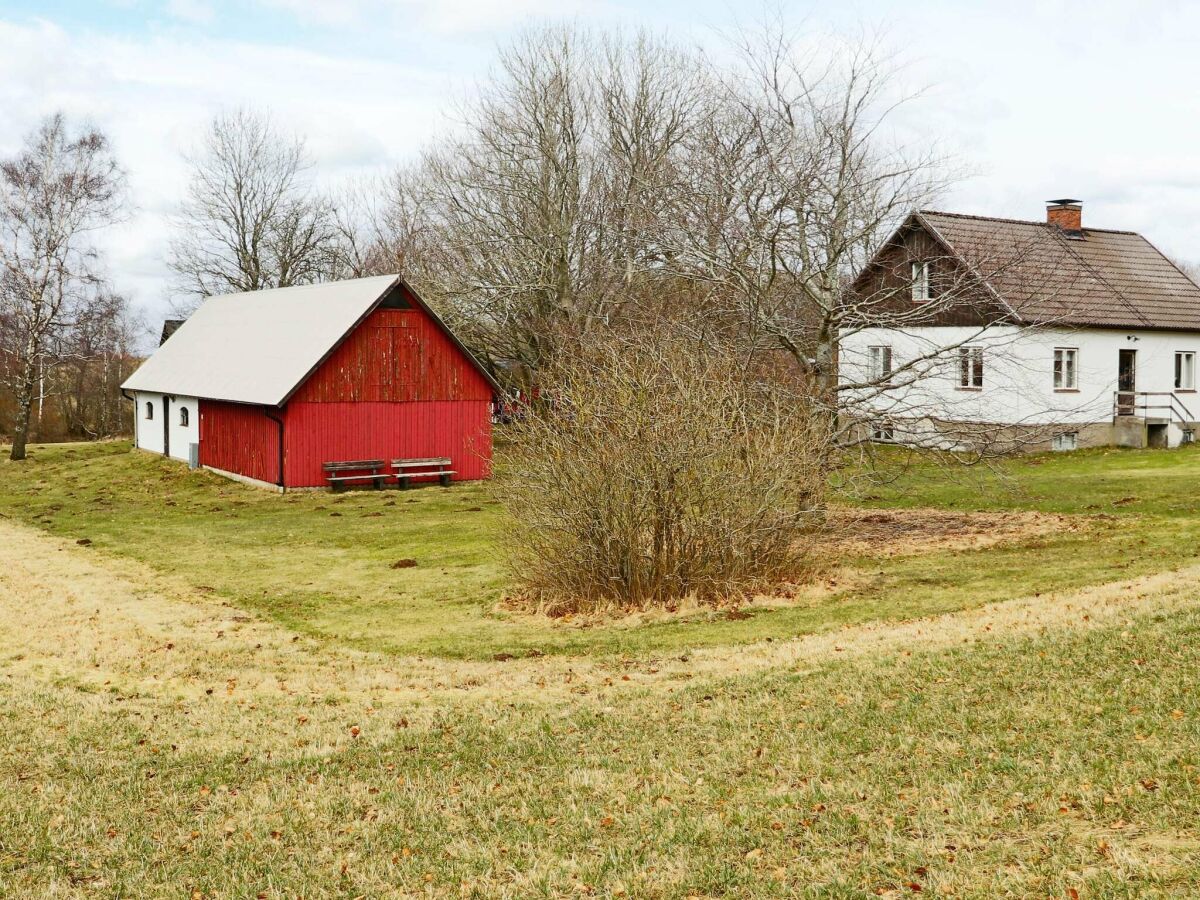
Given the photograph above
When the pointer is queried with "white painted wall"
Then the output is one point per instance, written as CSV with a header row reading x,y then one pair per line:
x,y
1018,386
149,431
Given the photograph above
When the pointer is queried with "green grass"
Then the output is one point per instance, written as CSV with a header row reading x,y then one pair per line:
x,y
322,564
161,744
1108,481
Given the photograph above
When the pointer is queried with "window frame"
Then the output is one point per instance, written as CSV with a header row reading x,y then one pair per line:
x,y
185,417
881,373
1190,357
149,410
919,278
1060,370
1056,444
970,368
883,433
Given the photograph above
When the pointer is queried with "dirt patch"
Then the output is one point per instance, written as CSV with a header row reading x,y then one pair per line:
x,y
905,532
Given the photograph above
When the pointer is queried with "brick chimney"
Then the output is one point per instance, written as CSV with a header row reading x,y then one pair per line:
x,y
1066,214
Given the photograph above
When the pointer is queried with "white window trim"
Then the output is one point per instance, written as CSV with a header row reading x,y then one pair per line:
x,y
1065,441
879,363
920,282
973,356
1060,370
1188,369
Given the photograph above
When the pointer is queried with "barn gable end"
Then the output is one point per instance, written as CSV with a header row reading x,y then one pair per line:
x,y
395,355
397,386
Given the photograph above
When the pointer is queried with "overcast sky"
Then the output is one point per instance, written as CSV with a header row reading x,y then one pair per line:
x,y
1096,100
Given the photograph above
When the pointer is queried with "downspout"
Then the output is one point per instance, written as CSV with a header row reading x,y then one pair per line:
x,y
133,400
278,421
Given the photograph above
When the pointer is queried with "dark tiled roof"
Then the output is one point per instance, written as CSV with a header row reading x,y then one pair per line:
x,y
1103,278
170,326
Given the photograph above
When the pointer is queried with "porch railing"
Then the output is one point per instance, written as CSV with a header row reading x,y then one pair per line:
x,y
1151,404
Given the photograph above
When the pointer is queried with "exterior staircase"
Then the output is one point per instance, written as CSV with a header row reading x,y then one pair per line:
x,y
1144,419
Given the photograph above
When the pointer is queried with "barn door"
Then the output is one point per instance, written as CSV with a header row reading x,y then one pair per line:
x,y
166,425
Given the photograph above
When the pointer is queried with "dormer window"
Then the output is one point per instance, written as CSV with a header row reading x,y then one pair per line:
x,y
920,282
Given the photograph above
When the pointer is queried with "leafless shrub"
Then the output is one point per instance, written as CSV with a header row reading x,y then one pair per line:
x,y
659,470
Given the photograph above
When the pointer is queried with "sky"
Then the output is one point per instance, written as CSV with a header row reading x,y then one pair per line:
x,y
1032,100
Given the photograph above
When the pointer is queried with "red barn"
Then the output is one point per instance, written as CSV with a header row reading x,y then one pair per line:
x,y
271,386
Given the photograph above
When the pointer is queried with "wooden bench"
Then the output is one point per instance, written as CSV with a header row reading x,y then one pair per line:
x,y
436,467
338,474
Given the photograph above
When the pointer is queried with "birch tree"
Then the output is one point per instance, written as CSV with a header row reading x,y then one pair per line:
x,y
54,195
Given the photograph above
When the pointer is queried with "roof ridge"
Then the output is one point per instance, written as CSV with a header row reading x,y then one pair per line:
x,y
954,215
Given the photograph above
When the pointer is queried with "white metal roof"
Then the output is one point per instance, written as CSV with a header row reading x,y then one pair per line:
x,y
256,347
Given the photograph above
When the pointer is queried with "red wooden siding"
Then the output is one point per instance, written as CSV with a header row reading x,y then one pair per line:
x,y
238,438
396,387
323,432
396,355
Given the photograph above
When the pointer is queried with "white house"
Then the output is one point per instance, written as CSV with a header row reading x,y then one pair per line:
x,y
1047,333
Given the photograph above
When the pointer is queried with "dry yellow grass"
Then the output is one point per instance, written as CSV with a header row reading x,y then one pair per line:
x,y
71,613
159,742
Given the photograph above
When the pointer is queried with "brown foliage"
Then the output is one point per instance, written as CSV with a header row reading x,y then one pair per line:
x,y
659,469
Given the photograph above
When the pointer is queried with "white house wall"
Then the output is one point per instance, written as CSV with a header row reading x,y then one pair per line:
x,y
149,432
1018,383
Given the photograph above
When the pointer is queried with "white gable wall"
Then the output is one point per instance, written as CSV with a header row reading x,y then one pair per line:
x,y
149,432
1018,386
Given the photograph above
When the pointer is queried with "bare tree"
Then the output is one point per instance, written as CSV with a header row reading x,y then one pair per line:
x,y
791,186
92,359
55,193
252,219
533,218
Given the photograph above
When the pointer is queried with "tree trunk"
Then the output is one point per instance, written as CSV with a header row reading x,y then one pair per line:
x,y
24,409
25,388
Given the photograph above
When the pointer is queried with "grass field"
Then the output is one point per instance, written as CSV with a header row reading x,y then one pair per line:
x,y
229,693
322,564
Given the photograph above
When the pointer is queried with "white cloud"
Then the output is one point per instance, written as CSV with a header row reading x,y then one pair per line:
x,y
1048,103
196,11
155,96
441,16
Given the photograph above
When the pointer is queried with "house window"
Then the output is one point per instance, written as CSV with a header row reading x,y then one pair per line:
x,y
1066,368
883,433
183,416
1068,440
1185,371
970,367
920,282
149,410
880,362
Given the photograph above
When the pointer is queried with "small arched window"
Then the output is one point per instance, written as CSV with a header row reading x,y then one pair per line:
x,y
149,410
183,416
